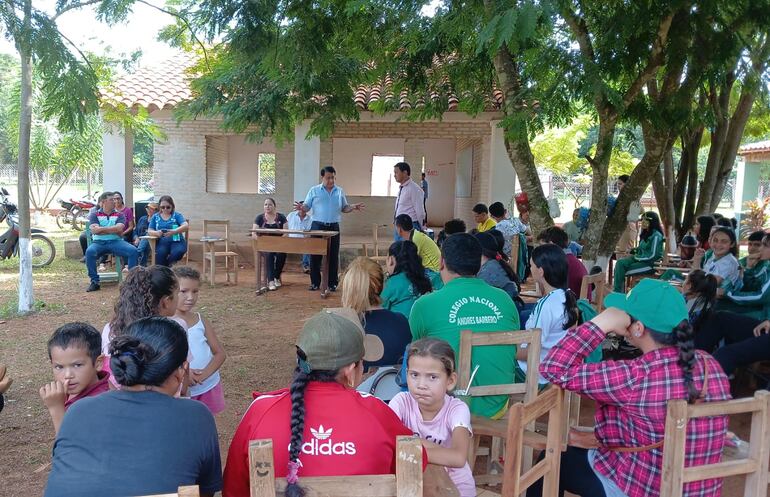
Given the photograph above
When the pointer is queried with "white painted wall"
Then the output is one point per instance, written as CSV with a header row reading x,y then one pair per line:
x,y
353,160
307,161
440,171
502,175
118,160
243,173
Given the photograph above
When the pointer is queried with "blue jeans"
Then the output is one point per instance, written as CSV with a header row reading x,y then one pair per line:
x,y
98,248
144,252
305,261
397,238
168,252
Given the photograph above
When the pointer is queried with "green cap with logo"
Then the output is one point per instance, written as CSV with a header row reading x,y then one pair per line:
x,y
655,303
334,338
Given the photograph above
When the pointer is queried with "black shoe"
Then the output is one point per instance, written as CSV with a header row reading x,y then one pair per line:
x,y
313,288
93,287
332,288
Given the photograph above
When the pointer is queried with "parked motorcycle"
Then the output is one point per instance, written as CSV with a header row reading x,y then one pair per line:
x,y
75,212
43,250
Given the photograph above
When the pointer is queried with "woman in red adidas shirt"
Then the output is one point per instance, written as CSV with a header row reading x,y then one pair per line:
x,y
320,425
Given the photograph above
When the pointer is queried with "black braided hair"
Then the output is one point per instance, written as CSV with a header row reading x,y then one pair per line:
x,y
297,392
683,338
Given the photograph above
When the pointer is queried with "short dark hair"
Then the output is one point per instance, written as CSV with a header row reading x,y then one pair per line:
x,y
480,209
757,236
623,178
555,235
497,209
148,351
454,226
404,222
404,167
105,196
187,272
77,335
723,221
328,169
462,254
423,175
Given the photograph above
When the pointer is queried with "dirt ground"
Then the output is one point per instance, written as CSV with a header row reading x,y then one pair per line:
x,y
257,332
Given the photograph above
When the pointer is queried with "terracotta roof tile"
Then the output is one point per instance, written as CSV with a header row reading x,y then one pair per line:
x,y
755,148
166,85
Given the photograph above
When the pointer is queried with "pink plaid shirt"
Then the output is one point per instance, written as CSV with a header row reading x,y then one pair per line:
x,y
631,401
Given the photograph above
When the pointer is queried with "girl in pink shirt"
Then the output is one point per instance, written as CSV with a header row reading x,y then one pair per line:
x,y
442,421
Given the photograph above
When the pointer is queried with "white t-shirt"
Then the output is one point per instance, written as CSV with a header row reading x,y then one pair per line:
x,y
549,316
295,223
726,267
454,413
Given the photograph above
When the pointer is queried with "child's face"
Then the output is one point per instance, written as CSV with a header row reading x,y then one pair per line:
x,y
755,246
188,294
537,273
74,368
428,382
720,244
575,215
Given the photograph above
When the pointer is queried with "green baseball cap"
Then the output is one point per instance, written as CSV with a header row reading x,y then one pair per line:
x,y
334,338
655,303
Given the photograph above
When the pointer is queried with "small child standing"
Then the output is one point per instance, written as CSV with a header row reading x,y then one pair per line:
x,y
75,354
207,352
442,421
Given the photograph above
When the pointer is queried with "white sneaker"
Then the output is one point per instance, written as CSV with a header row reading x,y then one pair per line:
x,y
271,285
102,268
277,283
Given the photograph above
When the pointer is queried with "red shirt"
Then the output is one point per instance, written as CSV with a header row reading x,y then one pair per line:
x,y
575,272
631,401
101,386
346,433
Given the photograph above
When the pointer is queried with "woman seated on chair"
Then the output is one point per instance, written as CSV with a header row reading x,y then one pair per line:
x,y
170,228
270,218
407,278
649,251
720,261
333,429
138,440
361,289
623,455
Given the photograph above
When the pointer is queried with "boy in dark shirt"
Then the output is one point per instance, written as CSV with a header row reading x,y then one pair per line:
x,y
75,352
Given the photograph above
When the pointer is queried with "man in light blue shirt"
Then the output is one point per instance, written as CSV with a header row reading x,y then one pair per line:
x,y
328,202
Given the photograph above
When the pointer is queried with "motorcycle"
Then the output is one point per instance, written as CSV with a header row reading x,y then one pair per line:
x,y
75,212
43,250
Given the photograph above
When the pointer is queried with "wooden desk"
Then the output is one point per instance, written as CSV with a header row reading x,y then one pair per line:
x,y
313,242
153,241
436,483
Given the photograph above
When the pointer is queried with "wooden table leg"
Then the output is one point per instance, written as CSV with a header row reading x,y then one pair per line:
x,y
258,269
325,270
212,265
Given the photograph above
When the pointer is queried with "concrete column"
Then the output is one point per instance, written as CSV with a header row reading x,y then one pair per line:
x,y
502,176
746,185
307,161
118,163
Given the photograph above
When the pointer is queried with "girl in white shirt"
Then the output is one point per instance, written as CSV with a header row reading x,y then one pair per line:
x,y
557,310
207,352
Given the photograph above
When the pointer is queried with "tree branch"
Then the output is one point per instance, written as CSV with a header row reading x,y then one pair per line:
x,y
74,6
186,23
72,44
580,30
653,63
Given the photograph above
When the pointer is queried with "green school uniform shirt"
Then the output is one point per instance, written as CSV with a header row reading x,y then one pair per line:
x,y
471,304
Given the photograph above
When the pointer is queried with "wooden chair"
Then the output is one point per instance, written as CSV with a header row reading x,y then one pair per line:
x,y
600,290
754,465
485,426
187,491
216,232
376,254
407,482
518,436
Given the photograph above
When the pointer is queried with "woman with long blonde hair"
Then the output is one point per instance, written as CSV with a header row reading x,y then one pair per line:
x,y
361,288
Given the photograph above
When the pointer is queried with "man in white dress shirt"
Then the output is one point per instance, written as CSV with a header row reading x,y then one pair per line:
x,y
410,199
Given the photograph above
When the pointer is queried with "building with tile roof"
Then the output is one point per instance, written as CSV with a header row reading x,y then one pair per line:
x,y
214,174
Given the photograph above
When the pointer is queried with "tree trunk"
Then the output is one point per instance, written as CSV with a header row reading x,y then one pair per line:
x,y
517,141
600,170
719,100
656,142
26,297
736,125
